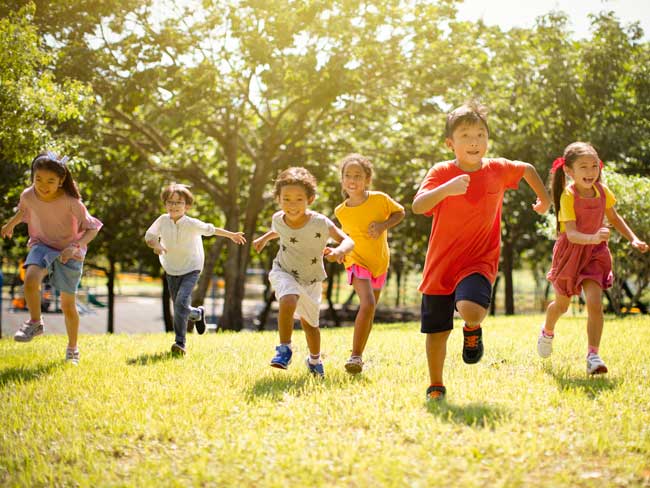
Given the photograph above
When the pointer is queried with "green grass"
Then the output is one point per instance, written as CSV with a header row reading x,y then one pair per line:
x,y
131,415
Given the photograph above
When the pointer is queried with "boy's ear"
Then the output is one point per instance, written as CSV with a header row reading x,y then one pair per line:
x,y
311,199
449,143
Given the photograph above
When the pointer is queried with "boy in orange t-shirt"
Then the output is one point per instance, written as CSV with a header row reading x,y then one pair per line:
x,y
464,197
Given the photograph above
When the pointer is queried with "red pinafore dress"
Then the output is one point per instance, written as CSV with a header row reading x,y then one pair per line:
x,y
574,263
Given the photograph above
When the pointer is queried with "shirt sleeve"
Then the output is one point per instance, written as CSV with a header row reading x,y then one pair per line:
x,y
86,221
391,205
432,180
567,212
204,228
610,199
513,173
153,232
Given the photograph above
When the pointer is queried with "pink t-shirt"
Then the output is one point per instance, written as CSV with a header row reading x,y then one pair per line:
x,y
58,223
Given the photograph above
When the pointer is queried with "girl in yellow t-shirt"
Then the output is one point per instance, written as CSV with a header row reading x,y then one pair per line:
x,y
366,217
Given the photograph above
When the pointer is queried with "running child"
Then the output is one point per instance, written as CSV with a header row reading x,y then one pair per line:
x,y
59,228
176,238
581,258
365,216
298,272
465,197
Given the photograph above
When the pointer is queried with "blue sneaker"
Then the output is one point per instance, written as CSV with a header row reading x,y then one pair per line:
x,y
315,369
282,358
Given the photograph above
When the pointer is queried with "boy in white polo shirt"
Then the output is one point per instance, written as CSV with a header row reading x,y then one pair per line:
x,y
176,238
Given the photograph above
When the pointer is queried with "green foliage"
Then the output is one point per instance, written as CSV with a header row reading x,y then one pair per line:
x,y
131,415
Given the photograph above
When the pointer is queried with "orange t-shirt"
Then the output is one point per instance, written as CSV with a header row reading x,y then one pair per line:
x,y
466,230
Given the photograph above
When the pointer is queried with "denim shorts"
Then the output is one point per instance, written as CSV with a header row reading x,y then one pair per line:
x,y
63,277
438,310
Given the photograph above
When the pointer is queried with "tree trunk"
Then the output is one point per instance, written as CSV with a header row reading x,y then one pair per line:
x,y
398,278
508,262
493,302
110,285
166,305
232,317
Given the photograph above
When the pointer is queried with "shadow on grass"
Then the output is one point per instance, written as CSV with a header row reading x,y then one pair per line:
x,y
12,375
276,386
145,359
474,414
592,386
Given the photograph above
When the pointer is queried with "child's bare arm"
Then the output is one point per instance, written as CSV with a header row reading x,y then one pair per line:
x,y
577,237
260,242
543,202
8,228
620,225
346,244
375,229
427,200
236,237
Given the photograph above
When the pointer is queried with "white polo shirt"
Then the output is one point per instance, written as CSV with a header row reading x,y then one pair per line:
x,y
183,242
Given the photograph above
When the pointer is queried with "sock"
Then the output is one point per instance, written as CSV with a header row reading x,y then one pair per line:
x,y
437,384
469,327
288,344
314,358
548,333
35,321
592,350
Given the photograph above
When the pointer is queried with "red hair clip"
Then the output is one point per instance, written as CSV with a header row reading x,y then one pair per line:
x,y
557,164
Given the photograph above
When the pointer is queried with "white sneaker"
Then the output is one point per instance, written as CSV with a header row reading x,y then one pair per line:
x,y
354,365
544,344
28,331
72,356
595,365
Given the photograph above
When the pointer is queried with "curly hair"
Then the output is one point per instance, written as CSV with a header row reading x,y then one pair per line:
x,y
298,176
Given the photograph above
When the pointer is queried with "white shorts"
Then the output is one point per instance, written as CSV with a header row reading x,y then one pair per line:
x,y
309,296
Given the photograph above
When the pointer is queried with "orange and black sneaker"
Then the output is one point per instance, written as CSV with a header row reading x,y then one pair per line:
x,y
436,393
472,345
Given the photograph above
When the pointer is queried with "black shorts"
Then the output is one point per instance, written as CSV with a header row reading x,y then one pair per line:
x,y
438,310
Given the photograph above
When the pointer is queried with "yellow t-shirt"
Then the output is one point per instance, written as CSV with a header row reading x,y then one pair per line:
x,y
568,213
372,254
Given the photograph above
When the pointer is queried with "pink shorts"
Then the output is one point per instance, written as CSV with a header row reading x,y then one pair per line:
x,y
362,273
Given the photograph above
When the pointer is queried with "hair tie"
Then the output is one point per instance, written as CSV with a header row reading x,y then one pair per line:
x,y
557,164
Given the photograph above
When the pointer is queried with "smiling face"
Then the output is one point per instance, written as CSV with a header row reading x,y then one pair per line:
x,y
294,202
584,172
469,143
354,180
47,184
176,206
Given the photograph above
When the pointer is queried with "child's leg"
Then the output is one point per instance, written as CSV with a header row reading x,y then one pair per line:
x,y
182,300
472,313
555,310
595,319
287,309
312,335
365,315
436,353
32,288
71,316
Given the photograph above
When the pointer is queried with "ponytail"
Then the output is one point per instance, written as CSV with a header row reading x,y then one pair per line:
x,y
49,161
558,181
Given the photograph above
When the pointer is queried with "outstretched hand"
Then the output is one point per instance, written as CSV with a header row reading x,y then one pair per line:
x,y
640,245
333,255
259,244
7,231
237,238
541,207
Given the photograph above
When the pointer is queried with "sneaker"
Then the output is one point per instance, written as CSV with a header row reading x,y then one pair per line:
x,y
595,365
178,349
200,322
544,344
354,365
315,369
436,393
282,358
28,331
472,345
72,356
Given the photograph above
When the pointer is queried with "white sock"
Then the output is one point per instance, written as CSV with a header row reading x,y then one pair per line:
x,y
314,359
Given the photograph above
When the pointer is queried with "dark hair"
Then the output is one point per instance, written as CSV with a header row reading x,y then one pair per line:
x,y
571,154
182,191
471,113
362,161
296,176
49,161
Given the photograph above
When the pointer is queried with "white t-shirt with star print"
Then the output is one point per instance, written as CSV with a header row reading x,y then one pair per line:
x,y
301,250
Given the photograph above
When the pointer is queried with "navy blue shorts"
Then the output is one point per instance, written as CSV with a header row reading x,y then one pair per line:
x,y
438,310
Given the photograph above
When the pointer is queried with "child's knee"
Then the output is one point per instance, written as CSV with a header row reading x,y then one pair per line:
x,y
288,301
472,313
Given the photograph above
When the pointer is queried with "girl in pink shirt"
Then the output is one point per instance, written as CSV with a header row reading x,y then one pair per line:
x,y
60,229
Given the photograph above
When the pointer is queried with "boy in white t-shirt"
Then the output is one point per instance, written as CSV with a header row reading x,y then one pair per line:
x,y
176,238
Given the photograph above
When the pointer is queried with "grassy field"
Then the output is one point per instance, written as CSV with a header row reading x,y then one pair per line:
x,y
131,415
